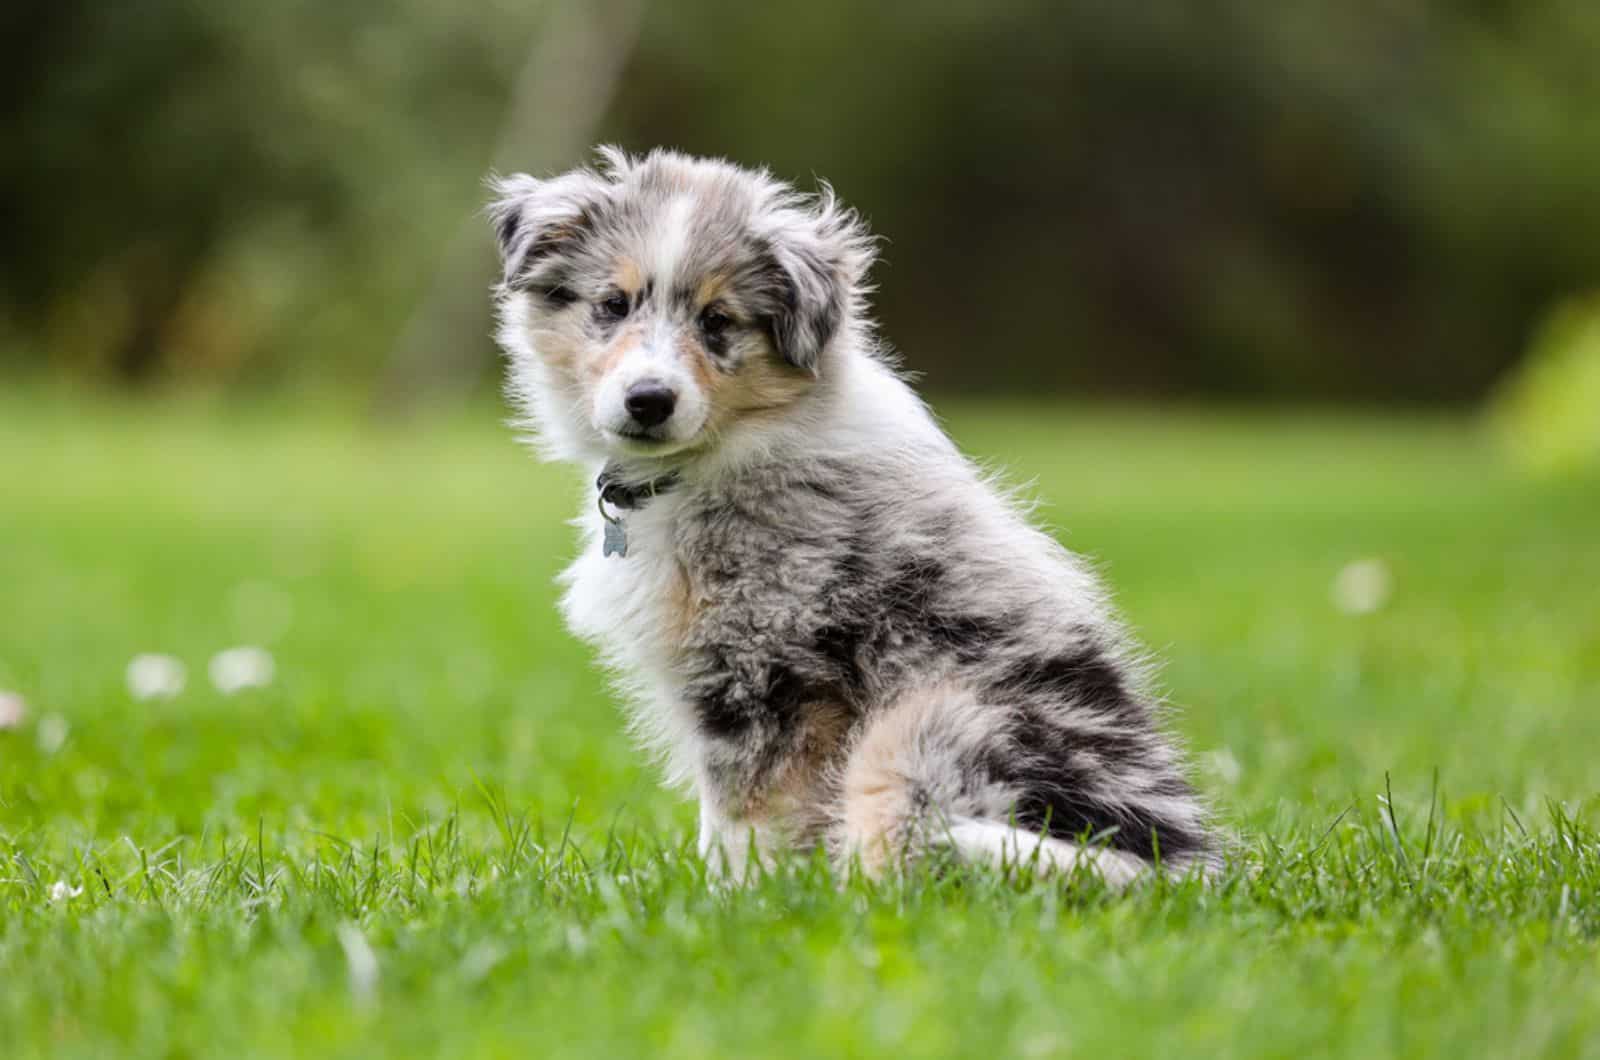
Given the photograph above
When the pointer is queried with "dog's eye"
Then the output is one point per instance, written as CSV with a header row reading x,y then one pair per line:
x,y
613,306
557,295
714,322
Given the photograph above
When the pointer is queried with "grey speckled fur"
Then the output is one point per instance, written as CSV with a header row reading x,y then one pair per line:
x,y
833,626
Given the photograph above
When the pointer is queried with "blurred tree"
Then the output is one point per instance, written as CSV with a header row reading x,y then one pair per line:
x,y
189,185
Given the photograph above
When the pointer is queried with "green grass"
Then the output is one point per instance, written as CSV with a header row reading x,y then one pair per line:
x,y
429,835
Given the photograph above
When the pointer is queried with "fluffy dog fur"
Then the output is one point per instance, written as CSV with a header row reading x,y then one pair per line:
x,y
827,621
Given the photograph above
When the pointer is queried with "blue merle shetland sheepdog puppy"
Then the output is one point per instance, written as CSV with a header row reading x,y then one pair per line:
x,y
826,621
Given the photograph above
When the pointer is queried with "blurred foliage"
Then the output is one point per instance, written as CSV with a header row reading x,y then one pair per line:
x,y
238,190
1548,413
1343,200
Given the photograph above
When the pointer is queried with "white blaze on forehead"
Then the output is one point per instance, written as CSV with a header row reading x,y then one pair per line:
x,y
671,238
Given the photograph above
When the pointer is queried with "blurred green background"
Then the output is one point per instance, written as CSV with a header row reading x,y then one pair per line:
x,y
1367,201
1135,252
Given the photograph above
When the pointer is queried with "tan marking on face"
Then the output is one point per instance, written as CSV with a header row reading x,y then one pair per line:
x,y
761,384
714,284
628,277
602,359
560,352
693,354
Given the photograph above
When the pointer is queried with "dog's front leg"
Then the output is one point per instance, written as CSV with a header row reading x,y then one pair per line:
x,y
761,750
729,846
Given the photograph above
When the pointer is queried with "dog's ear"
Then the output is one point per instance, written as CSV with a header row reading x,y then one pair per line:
x,y
539,223
818,270
810,303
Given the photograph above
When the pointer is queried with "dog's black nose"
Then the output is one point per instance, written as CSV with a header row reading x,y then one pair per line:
x,y
650,403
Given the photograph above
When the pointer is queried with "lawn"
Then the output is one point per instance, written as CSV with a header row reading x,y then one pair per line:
x,y
428,835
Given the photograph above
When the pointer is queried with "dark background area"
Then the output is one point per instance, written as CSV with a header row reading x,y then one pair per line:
x,y
1365,201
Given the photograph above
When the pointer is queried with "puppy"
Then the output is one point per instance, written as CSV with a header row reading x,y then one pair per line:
x,y
826,620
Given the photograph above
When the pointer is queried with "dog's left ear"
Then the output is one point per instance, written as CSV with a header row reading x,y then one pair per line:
x,y
819,267
811,302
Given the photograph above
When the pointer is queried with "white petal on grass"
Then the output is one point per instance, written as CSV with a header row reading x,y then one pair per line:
x,y
13,709
239,668
155,676
1362,586
52,733
361,964
480,961
60,891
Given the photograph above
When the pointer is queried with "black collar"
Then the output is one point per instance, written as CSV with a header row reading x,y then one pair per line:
x,y
628,496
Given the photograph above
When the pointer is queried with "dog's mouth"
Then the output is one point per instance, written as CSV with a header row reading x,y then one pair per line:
x,y
640,439
652,442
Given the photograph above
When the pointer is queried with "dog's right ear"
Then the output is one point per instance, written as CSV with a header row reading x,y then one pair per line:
x,y
539,223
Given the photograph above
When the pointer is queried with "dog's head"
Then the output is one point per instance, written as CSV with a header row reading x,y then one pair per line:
x,y
653,303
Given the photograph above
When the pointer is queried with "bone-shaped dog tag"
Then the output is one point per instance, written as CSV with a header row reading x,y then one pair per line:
x,y
616,539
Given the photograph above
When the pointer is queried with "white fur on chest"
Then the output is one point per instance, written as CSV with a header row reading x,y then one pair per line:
x,y
629,608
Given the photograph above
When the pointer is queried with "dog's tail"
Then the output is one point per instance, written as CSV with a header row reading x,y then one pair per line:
x,y
1006,846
